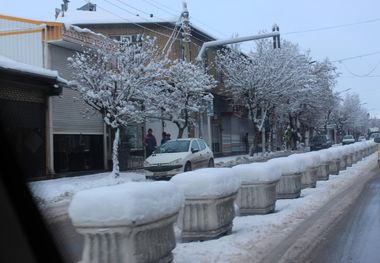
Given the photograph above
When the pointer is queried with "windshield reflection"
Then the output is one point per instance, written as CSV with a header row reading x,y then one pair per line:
x,y
173,147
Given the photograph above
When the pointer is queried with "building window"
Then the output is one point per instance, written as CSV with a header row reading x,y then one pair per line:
x,y
132,39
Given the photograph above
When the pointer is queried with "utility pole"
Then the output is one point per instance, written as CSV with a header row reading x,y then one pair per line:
x,y
186,34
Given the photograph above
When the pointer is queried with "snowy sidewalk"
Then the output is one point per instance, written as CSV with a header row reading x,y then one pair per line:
x,y
48,193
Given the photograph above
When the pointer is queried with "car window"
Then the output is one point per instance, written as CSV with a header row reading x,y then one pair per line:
x,y
194,145
202,144
174,147
319,139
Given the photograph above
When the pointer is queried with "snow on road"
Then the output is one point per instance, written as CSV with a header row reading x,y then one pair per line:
x,y
253,235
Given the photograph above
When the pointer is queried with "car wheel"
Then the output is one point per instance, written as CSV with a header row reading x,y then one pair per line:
x,y
187,167
211,163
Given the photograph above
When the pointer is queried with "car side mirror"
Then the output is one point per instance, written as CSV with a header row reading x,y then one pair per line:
x,y
194,150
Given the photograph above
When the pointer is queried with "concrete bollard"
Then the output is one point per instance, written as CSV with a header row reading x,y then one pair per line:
x,y
210,194
257,193
131,222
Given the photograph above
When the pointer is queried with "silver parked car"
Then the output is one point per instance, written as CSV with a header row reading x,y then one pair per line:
x,y
348,139
176,156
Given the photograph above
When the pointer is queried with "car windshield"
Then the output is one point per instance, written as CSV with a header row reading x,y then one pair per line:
x,y
174,147
348,137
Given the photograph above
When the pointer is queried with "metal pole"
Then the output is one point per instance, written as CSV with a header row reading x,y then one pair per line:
x,y
232,41
276,38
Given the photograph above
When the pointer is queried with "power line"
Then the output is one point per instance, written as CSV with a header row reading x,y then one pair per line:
x,y
122,2
200,33
125,10
333,27
355,57
361,75
143,27
158,5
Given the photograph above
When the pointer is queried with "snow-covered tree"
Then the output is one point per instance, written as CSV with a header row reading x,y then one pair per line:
x,y
354,117
318,100
119,80
264,79
186,95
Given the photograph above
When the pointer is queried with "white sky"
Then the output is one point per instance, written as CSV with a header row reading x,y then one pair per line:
x,y
223,19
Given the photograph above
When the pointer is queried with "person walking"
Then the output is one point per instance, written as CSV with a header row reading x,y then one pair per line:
x,y
150,142
245,140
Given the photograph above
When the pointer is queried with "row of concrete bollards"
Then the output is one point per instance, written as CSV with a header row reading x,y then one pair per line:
x,y
134,222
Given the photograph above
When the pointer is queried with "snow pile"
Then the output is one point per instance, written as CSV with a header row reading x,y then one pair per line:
x,y
288,165
207,182
340,151
333,153
52,191
323,156
306,159
257,172
314,159
125,204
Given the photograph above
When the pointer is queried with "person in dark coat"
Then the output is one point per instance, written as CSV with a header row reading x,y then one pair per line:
x,y
246,143
150,142
163,140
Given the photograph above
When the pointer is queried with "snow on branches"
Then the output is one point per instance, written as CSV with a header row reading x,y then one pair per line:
x,y
187,93
283,81
120,80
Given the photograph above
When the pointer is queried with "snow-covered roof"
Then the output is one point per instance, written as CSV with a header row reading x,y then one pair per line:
x,y
7,63
98,17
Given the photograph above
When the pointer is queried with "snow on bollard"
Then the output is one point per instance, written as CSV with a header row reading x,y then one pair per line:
x,y
309,176
291,169
349,155
342,160
257,193
131,222
323,173
356,152
334,161
209,202
362,150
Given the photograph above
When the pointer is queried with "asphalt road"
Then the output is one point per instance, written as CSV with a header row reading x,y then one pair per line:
x,y
356,236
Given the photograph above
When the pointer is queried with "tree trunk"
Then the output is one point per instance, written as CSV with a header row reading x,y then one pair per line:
x,y
270,139
180,132
263,140
115,154
252,149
